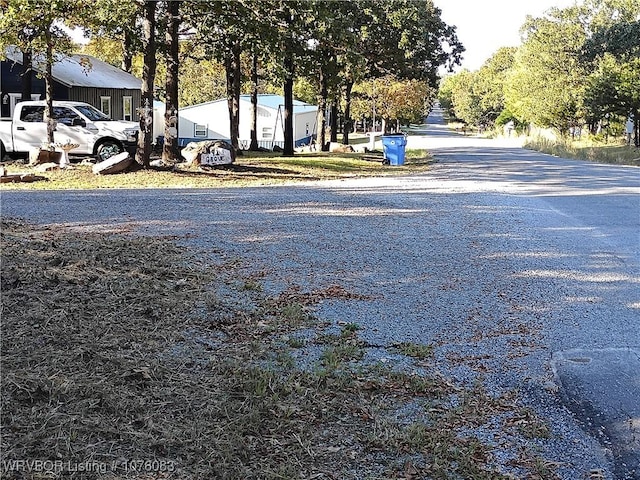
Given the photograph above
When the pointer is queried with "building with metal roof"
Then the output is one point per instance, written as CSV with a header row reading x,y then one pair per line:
x,y
76,77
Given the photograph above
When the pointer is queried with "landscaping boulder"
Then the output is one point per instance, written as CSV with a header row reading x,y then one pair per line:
x,y
335,147
209,152
116,164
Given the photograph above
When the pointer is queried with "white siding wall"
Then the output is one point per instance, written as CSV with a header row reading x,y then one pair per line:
x,y
304,125
215,116
158,119
265,123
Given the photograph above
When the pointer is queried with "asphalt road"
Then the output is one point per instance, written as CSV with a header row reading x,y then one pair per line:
x,y
521,269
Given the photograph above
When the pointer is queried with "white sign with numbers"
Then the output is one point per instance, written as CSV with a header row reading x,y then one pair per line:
x,y
219,156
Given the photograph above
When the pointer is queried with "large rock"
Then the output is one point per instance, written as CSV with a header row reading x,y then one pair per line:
x,y
209,152
335,147
116,164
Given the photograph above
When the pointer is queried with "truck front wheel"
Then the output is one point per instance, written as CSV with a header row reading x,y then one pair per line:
x,y
108,149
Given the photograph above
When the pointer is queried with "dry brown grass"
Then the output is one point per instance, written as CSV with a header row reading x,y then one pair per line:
x,y
593,151
118,355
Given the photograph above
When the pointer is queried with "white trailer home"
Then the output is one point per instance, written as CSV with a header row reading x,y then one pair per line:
x,y
210,121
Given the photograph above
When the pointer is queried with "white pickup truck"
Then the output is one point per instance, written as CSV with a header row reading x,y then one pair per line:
x,y
76,122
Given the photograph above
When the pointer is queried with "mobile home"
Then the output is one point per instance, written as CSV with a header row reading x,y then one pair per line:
x,y
210,120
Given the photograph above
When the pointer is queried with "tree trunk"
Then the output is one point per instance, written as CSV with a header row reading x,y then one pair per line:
x,y
27,76
48,88
636,118
288,104
232,69
348,123
321,121
170,150
254,104
127,52
143,152
333,121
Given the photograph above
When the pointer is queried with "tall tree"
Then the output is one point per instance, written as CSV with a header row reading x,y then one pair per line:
x,y
105,21
145,139
288,47
546,85
402,101
27,75
253,146
409,39
406,38
35,26
335,31
292,19
221,28
490,83
478,97
170,150
614,86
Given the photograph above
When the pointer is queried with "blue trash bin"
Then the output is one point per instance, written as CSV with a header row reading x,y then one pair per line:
x,y
393,147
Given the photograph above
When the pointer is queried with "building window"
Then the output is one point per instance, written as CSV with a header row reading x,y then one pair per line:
x,y
14,98
267,133
200,130
105,105
127,108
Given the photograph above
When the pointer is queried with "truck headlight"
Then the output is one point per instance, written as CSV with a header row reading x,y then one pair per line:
x,y
132,135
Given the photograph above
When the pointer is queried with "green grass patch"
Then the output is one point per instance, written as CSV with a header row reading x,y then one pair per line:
x,y
296,342
350,328
335,356
251,285
414,350
293,313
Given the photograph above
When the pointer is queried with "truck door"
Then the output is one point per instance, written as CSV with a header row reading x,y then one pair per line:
x,y
30,130
70,128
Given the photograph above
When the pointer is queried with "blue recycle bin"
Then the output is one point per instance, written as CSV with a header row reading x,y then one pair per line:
x,y
393,147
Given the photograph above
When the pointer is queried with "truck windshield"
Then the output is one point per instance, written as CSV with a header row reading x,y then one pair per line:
x,y
92,113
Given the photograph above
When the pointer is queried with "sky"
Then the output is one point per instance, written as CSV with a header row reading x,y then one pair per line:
x,y
483,26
